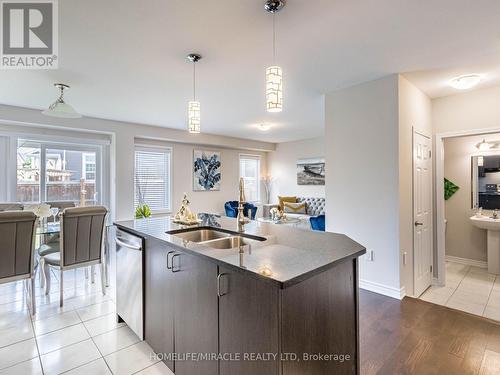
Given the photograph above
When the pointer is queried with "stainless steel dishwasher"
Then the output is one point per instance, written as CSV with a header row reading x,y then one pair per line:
x,y
129,281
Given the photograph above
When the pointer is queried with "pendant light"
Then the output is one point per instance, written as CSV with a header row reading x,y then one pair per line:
x,y
274,73
194,110
60,108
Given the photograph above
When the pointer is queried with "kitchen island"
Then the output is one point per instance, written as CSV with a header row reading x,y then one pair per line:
x,y
269,300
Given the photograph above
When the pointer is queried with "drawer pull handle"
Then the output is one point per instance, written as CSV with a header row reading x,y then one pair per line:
x,y
179,268
219,276
169,265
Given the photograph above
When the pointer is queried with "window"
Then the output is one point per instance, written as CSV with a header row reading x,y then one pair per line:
x,y
57,172
250,171
89,167
152,178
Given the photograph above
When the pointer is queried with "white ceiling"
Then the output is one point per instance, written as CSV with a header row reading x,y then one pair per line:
x,y
125,59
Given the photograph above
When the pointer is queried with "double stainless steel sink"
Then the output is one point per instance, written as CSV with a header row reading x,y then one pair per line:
x,y
216,239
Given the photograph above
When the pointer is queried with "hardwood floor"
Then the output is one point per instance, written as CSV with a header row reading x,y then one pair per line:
x,y
417,337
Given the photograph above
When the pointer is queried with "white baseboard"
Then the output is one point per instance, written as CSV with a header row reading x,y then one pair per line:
x,y
388,291
468,262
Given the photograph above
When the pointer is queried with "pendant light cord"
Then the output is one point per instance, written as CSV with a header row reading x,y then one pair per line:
x,y
274,39
194,81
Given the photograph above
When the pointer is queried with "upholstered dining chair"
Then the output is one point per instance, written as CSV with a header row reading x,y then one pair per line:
x,y
17,249
81,244
51,241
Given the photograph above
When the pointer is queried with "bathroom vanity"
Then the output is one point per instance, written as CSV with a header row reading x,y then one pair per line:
x,y
270,300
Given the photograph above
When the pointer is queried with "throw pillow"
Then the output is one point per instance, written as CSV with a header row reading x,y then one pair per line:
x,y
294,208
286,199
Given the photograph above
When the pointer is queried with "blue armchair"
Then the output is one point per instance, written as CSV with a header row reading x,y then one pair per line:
x,y
231,208
318,222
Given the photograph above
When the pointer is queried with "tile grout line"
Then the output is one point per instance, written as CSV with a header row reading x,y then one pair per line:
x,y
489,296
456,288
34,338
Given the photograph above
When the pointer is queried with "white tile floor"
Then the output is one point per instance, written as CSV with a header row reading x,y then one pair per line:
x,y
81,338
470,289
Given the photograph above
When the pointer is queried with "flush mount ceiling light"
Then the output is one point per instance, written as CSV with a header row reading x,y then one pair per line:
x,y
465,82
264,127
274,73
194,107
486,146
60,108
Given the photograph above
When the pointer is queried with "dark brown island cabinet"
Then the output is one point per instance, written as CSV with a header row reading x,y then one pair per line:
x,y
205,318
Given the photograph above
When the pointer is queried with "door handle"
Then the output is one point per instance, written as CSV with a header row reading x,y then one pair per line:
x,y
169,266
128,246
417,223
178,269
219,276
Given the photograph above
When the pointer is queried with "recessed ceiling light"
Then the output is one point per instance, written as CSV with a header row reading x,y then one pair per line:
x,y
264,127
465,82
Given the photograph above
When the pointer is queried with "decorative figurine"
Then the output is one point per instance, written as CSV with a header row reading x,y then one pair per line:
x,y
184,215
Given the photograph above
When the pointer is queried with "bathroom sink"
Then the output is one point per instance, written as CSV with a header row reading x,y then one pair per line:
x,y
485,222
492,226
200,235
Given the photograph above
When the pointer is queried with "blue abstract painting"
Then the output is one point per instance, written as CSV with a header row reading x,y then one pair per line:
x,y
206,174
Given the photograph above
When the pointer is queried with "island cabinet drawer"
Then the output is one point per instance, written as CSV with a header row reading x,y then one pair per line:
x,y
248,324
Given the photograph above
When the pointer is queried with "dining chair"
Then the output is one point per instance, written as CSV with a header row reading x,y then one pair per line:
x,y
51,241
11,206
80,243
17,245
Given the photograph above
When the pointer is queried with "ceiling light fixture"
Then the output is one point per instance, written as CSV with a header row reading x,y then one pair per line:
x,y
194,107
264,127
274,73
484,146
465,82
60,108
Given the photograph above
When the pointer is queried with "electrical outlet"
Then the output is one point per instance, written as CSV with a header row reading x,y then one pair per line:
x,y
404,258
369,256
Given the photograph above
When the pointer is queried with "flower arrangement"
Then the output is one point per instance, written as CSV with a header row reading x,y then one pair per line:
x,y
267,181
40,210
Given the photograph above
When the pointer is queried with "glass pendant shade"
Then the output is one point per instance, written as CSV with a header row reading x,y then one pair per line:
x,y
194,117
274,89
61,109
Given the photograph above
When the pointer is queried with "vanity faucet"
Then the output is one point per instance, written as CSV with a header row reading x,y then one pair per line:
x,y
495,214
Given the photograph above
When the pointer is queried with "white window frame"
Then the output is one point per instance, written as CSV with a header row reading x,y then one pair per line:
x,y
147,148
44,145
259,159
85,155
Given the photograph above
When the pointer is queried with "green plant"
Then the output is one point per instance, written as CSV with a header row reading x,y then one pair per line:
x,y
449,189
142,211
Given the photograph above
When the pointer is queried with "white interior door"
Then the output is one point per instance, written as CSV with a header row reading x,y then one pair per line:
x,y
422,213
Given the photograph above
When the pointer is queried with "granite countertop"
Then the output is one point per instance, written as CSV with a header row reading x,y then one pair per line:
x,y
291,254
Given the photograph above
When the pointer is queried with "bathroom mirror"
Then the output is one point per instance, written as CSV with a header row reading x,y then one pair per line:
x,y
486,181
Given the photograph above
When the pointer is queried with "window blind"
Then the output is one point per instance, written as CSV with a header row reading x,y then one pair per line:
x,y
250,171
152,179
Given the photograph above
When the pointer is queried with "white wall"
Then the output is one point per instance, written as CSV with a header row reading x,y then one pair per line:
x,y
282,166
474,110
182,176
414,114
362,175
123,136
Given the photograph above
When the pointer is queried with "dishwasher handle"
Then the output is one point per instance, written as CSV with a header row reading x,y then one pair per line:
x,y
129,246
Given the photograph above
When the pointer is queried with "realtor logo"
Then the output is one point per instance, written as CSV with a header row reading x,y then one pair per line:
x,y
29,34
